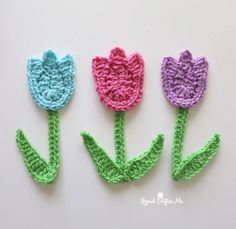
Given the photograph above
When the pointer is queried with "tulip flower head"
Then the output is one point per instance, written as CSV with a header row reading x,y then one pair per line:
x,y
184,80
51,81
119,79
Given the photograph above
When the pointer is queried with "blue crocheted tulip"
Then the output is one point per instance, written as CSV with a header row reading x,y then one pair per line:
x,y
51,81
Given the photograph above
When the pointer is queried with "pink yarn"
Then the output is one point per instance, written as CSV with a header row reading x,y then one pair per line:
x,y
184,80
119,79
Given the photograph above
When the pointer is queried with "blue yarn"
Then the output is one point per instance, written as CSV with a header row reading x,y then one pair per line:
x,y
51,81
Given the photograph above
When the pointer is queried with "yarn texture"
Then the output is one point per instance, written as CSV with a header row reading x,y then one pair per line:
x,y
184,80
51,84
184,83
119,79
51,81
120,169
119,83
41,170
195,162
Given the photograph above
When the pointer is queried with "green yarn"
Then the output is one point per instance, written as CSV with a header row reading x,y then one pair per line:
x,y
41,170
195,162
119,131
120,169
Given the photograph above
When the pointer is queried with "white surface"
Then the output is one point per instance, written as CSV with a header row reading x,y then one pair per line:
x,y
79,198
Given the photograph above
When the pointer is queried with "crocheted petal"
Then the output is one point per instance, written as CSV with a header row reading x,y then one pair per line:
x,y
169,65
200,72
67,73
136,66
169,68
185,57
140,165
66,66
105,165
38,168
200,66
34,66
117,54
195,162
49,58
35,70
99,64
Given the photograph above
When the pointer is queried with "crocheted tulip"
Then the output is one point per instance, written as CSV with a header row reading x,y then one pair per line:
x,y
51,84
184,83
51,81
119,83
184,80
119,79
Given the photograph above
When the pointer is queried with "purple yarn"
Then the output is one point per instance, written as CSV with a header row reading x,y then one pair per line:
x,y
184,80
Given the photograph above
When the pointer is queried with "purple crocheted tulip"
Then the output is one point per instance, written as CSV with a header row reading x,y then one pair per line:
x,y
184,80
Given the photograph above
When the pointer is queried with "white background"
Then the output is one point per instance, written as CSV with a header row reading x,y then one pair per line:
x,y
80,198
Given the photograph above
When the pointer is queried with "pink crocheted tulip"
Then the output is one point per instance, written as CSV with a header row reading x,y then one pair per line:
x,y
184,80
119,79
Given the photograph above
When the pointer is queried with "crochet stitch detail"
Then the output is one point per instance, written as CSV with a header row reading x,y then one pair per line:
x,y
120,169
119,83
119,79
184,83
41,170
51,81
184,80
51,84
195,162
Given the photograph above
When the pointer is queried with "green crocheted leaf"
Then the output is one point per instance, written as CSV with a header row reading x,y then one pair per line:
x,y
105,165
38,168
195,162
140,165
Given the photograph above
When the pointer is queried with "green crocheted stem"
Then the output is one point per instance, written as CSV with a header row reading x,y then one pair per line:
x,y
195,162
41,170
119,134
120,169
179,138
